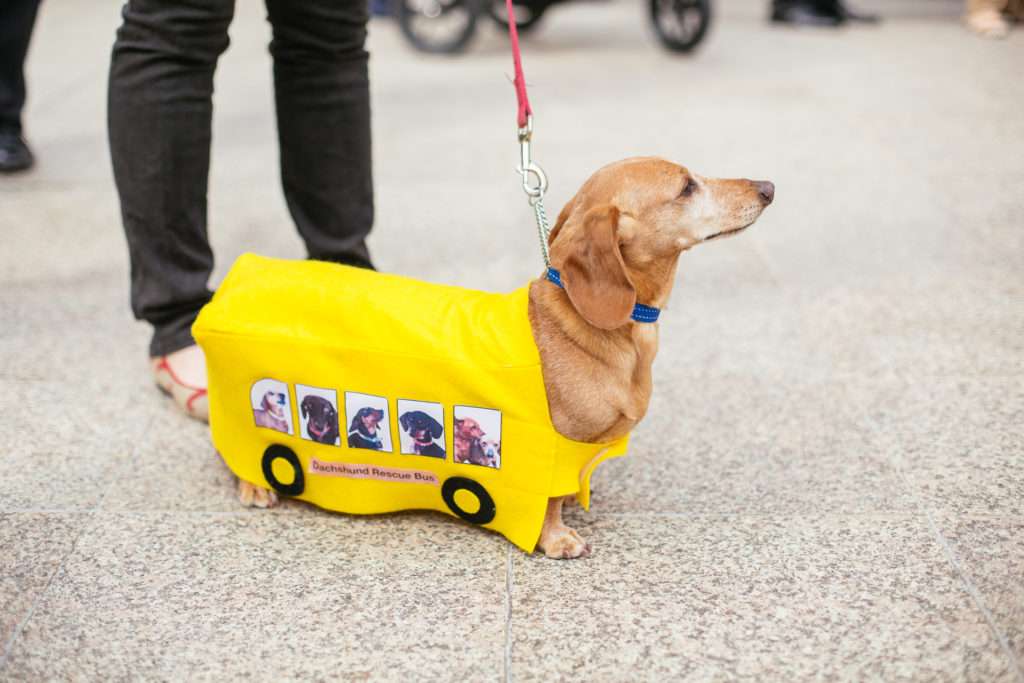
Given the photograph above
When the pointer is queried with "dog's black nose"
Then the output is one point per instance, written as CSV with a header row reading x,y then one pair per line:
x,y
766,189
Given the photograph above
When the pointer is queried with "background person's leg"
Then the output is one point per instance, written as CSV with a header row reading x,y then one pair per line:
x,y
17,17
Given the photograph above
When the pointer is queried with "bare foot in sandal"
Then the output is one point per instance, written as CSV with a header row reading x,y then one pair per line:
x,y
182,375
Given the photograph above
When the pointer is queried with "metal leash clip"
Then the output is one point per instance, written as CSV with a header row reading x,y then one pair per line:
x,y
528,168
535,191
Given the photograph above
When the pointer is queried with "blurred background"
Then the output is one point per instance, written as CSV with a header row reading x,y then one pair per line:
x,y
828,483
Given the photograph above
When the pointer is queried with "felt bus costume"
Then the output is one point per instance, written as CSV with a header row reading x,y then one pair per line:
x,y
345,333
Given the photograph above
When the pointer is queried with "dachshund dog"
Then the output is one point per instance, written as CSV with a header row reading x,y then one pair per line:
x,y
363,431
322,424
271,411
616,243
467,432
423,430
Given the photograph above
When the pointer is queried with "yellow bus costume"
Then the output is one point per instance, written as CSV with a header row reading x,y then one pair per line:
x,y
357,332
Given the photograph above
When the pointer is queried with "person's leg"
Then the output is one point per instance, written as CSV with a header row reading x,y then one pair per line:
x,y
17,18
159,117
323,118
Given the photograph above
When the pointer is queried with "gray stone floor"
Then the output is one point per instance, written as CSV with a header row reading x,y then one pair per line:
x,y
829,484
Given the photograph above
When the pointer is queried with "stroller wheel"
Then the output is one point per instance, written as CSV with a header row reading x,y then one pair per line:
x,y
527,15
680,24
438,26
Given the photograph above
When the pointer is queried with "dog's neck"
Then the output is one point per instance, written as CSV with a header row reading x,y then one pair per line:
x,y
598,382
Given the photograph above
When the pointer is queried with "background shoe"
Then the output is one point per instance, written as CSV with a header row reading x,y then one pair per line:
x,y
193,400
847,14
804,14
14,152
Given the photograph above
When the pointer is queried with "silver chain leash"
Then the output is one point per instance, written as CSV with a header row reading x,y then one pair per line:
x,y
535,191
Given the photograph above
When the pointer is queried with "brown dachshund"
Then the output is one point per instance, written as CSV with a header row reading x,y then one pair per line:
x,y
616,243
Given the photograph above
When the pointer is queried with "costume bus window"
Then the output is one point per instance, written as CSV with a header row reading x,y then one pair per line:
x,y
368,393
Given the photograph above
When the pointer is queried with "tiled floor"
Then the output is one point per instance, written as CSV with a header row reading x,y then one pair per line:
x,y
828,484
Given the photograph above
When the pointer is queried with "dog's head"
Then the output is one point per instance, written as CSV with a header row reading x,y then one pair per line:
x,y
490,447
320,413
468,429
420,426
366,420
619,239
273,403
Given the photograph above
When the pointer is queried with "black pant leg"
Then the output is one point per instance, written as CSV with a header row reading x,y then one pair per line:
x,y
159,118
322,96
17,18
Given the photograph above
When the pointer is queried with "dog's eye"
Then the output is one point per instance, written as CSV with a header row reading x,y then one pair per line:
x,y
689,188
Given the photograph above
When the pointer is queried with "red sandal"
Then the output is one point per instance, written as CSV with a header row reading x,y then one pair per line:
x,y
193,400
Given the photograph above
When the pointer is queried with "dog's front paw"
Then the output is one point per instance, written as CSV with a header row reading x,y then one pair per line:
x,y
253,496
563,543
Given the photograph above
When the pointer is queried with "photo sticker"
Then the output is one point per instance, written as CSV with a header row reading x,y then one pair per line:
x,y
476,436
318,414
271,407
368,422
422,426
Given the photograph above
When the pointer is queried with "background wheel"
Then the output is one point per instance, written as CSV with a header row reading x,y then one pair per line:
x,y
527,15
680,24
438,26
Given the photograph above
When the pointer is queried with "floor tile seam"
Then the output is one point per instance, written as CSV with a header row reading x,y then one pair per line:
x,y
943,543
960,517
124,512
33,185
92,515
90,519
509,592
756,515
157,411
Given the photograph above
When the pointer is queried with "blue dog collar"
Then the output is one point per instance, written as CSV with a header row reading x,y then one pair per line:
x,y
641,313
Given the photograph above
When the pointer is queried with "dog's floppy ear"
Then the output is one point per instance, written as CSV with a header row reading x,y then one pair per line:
x,y
435,428
594,274
305,407
355,422
404,420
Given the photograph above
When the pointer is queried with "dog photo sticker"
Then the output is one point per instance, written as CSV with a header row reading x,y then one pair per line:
x,y
368,422
318,414
271,407
422,428
476,436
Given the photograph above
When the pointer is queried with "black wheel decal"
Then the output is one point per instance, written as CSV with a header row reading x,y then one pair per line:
x,y
274,452
482,516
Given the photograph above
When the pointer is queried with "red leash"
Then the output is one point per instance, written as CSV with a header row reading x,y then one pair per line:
x,y
528,168
520,83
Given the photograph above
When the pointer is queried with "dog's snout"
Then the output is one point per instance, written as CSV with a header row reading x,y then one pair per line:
x,y
766,189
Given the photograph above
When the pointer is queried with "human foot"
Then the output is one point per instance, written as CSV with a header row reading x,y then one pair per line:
x,y
182,375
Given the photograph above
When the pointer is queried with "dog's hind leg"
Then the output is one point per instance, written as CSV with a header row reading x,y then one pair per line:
x,y
252,496
556,539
